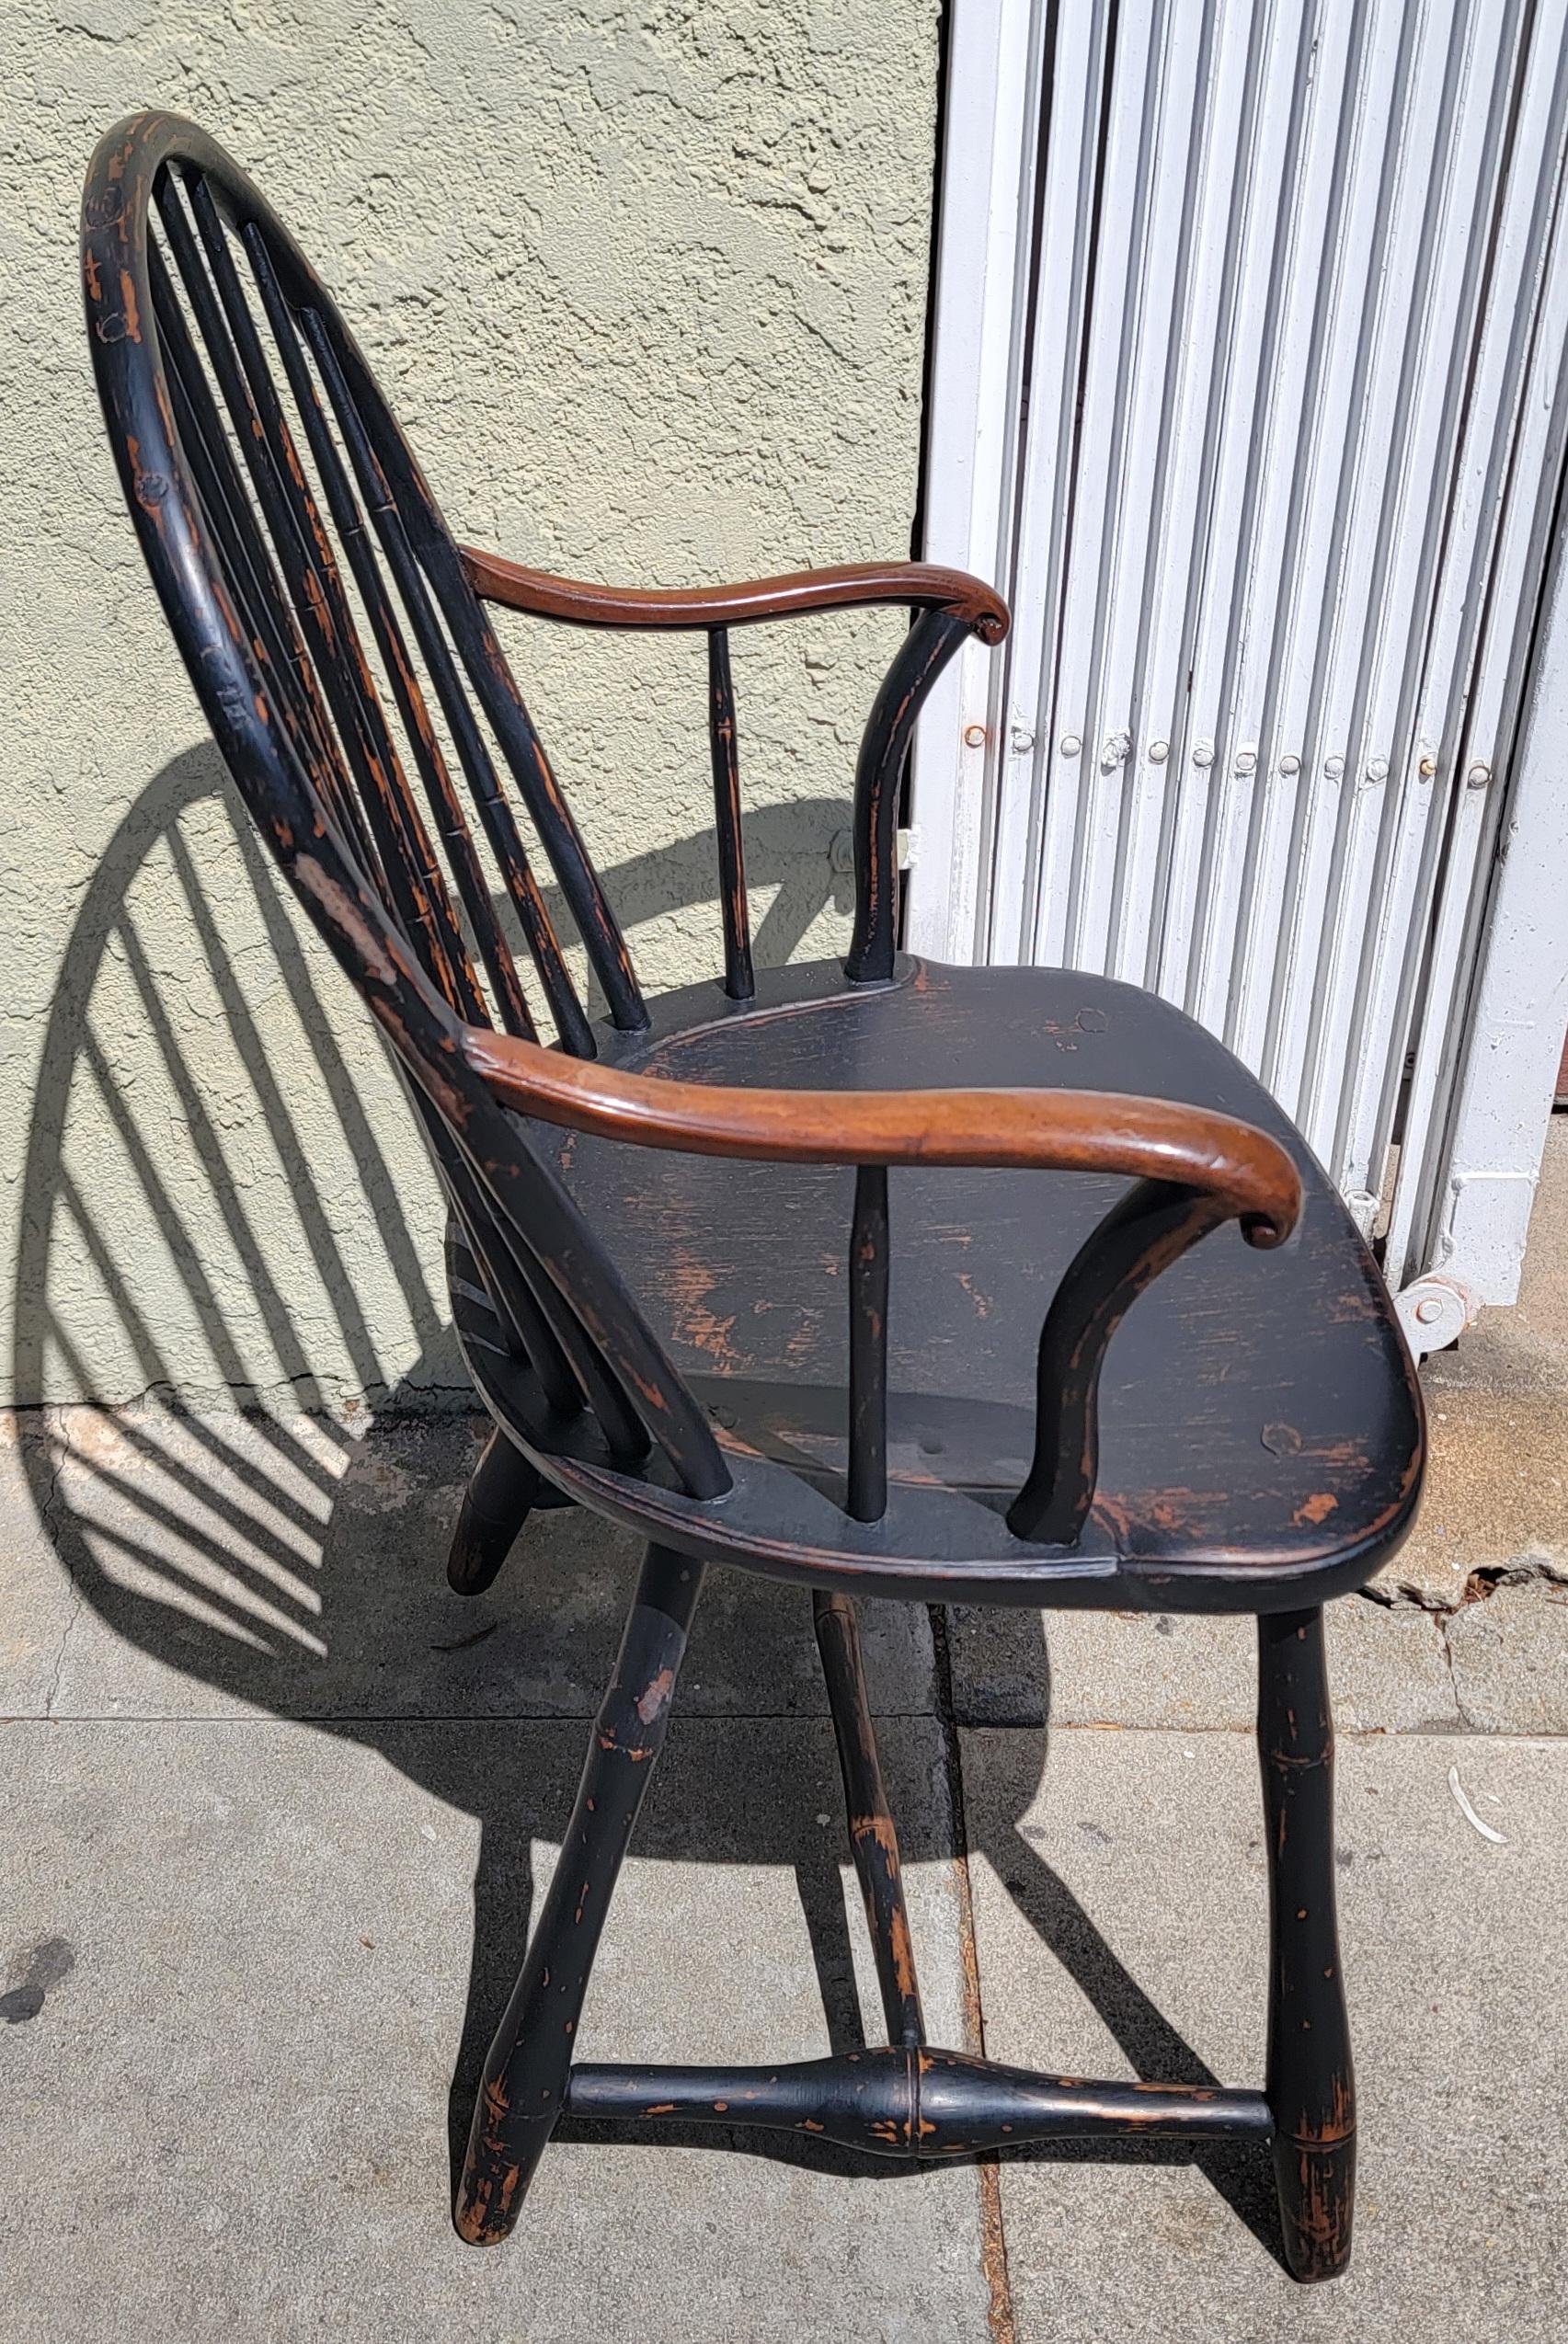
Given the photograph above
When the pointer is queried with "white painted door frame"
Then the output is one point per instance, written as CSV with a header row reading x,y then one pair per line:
x,y
1507,1031
991,131
1494,980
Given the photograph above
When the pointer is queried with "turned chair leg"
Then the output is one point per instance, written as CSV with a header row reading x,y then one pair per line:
x,y
873,1838
1309,2086
526,2071
502,1491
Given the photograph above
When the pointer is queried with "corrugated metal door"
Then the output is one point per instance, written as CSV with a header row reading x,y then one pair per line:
x,y
1271,454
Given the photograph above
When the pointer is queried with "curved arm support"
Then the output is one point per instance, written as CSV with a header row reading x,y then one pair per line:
x,y
1194,1170
884,750
1248,1176
916,585
949,605
1152,1225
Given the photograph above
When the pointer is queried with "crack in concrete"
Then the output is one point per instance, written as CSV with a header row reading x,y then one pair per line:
x,y
988,2171
1480,1586
1442,1625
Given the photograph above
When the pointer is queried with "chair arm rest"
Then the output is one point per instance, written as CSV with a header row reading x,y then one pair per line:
x,y
904,584
1249,1176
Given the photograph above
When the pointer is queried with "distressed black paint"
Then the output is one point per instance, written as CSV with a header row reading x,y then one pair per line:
x,y
869,1280
874,1842
739,980
525,2078
917,2102
1042,1385
1310,2083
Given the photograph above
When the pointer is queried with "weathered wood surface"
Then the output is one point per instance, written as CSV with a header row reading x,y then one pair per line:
x,y
834,1273
1310,2084
917,2102
1259,1426
524,2081
848,586
874,1840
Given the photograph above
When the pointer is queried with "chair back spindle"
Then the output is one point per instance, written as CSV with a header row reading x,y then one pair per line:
x,y
336,635
868,1288
339,649
740,982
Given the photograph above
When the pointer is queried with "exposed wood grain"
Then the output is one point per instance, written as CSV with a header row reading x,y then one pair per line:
x,y
874,1840
917,2102
931,643
1242,1169
1311,2082
526,2071
739,980
446,804
869,1283
916,585
502,1489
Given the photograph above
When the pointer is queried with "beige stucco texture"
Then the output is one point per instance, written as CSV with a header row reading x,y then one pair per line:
x,y
647,286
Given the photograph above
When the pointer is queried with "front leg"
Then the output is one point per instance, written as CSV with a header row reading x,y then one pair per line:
x,y
525,2076
1310,2086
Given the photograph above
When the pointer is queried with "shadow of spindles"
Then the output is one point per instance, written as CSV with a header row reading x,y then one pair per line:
x,y
211,1218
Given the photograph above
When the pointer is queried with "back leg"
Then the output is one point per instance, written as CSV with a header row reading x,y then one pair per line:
x,y
502,1491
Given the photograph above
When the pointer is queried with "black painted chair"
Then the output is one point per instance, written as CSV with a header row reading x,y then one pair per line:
x,y
672,1229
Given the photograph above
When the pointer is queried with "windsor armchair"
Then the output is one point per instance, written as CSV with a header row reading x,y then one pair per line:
x,y
672,1225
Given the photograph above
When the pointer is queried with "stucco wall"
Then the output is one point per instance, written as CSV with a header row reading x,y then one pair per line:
x,y
647,283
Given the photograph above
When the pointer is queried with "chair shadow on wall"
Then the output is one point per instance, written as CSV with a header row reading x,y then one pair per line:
x,y
299,1567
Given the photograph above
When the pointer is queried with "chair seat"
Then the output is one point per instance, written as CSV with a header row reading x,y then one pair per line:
x,y
1261,1427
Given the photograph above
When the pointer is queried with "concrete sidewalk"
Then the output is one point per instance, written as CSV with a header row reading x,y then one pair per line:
x,y
260,1765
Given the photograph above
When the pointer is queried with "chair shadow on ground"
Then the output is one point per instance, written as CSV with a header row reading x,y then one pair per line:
x,y
297,1565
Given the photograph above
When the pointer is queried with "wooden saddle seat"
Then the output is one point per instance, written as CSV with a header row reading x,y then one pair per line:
x,y
1260,1421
